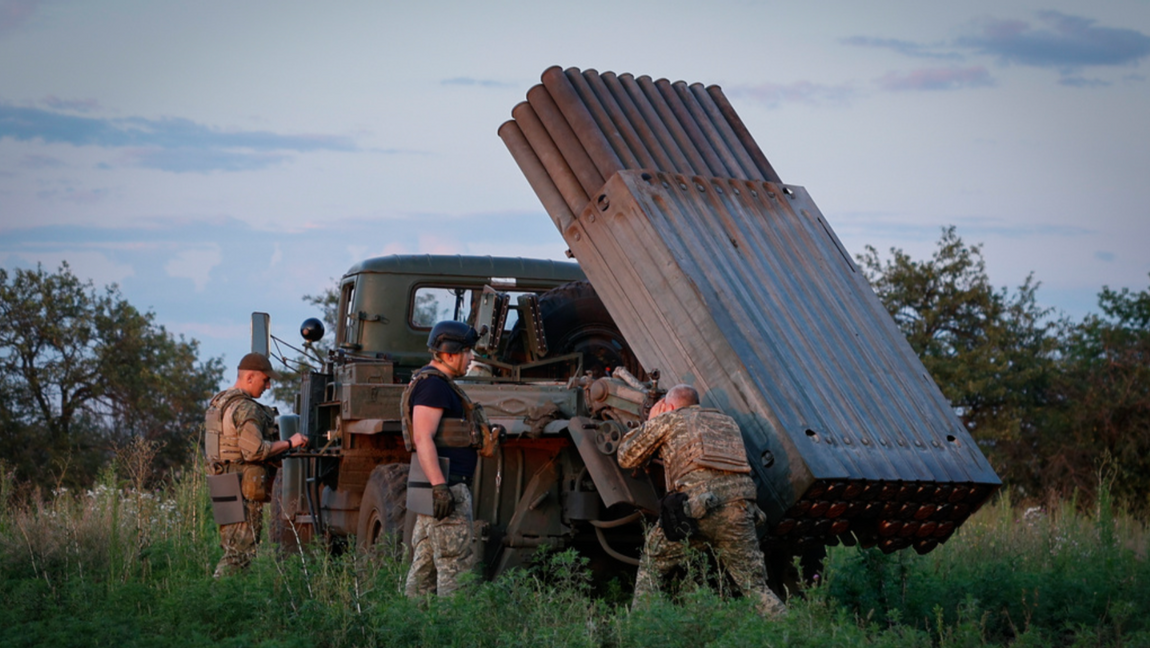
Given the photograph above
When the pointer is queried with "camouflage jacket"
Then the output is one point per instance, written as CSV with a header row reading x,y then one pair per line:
x,y
702,450
240,442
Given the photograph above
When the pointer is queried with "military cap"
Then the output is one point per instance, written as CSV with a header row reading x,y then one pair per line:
x,y
258,362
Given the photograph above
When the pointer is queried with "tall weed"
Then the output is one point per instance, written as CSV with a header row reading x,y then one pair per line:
x,y
129,563
1049,571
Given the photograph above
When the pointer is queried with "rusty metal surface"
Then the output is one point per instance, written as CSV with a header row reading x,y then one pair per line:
x,y
614,484
721,276
741,289
578,128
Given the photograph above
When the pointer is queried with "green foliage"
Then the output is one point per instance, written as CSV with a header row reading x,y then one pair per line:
x,y
1051,402
83,372
990,352
110,567
1102,397
1053,573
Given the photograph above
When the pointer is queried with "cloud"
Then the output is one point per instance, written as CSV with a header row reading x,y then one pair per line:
x,y
906,48
1108,257
1063,42
936,79
169,144
76,105
40,162
73,195
15,13
871,226
180,160
195,264
232,331
170,132
773,95
1076,81
483,83
96,266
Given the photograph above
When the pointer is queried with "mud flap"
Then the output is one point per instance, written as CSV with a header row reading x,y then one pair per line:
x,y
227,503
419,488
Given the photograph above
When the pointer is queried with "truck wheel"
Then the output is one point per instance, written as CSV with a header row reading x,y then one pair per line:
x,y
575,319
382,510
281,532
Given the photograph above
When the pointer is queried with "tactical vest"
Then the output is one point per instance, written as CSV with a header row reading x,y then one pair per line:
x,y
715,443
222,439
471,431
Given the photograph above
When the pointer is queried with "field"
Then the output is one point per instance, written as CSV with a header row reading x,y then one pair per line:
x,y
123,566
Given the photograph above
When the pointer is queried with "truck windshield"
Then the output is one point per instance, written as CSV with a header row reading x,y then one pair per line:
x,y
436,303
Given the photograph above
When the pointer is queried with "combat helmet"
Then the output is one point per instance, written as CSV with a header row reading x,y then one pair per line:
x,y
450,336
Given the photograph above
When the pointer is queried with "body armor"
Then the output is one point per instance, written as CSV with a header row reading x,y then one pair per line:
x,y
214,426
714,443
471,431
222,437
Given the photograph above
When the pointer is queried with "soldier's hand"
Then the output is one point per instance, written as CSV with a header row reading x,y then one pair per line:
x,y
442,503
658,408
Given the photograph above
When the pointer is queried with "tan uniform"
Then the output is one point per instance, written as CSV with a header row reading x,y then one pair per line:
x,y
703,457
248,430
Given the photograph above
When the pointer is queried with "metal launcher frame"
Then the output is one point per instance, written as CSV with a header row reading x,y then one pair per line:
x,y
720,275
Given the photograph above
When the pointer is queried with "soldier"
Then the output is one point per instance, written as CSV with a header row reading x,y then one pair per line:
x,y
710,495
442,542
241,438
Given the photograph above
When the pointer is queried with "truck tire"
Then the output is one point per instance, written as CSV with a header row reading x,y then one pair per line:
x,y
382,510
280,530
575,319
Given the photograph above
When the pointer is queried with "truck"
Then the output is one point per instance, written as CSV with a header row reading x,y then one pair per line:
x,y
693,262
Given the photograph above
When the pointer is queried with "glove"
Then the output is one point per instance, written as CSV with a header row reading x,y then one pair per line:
x,y
442,503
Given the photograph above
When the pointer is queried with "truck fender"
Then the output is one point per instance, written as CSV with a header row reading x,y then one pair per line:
x,y
614,484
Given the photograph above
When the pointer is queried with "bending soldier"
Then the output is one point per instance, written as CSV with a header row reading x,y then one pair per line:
x,y
710,495
442,542
242,438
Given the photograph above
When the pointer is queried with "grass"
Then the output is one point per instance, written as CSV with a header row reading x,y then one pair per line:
x,y
120,565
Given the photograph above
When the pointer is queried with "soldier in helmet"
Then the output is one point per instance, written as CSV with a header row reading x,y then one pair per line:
x,y
242,438
442,541
710,495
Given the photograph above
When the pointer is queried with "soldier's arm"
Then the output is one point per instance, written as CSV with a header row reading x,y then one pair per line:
x,y
253,446
424,423
640,444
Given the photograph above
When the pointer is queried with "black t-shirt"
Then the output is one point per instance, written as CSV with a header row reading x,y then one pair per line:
x,y
435,392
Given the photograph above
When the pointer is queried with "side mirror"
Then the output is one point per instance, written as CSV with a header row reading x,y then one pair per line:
x,y
261,333
491,318
533,324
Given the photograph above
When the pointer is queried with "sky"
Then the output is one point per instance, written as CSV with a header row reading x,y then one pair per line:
x,y
217,158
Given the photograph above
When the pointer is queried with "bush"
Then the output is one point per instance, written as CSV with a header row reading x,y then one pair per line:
x,y
117,566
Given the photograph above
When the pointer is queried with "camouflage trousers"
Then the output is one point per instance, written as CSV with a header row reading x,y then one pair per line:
x,y
730,531
442,549
239,540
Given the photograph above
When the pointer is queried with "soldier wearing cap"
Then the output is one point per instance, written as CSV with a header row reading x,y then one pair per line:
x,y
242,438
442,542
710,495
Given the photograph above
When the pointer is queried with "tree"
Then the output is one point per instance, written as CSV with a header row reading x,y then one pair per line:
x,y
82,372
991,353
1101,414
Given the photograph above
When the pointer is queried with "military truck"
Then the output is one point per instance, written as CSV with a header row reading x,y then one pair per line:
x,y
695,264
553,372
